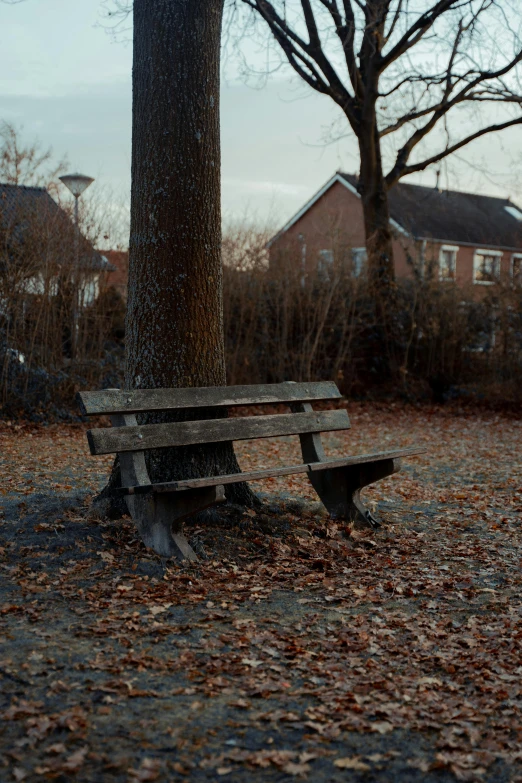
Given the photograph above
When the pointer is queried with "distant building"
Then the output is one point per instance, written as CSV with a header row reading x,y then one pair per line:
x,y
467,238
118,277
37,247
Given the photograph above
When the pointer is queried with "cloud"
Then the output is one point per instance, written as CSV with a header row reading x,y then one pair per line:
x,y
265,187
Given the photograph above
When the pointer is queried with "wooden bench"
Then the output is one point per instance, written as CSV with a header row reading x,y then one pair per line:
x,y
159,509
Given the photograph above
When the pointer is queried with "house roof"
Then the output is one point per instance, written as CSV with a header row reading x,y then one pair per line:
x,y
429,213
19,204
445,215
17,198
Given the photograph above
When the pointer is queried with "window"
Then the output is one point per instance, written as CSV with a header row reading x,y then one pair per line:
x,y
34,285
325,263
486,266
514,212
89,290
448,262
359,259
516,269
38,285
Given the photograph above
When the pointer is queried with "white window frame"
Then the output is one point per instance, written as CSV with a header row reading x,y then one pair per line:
x,y
325,262
451,249
516,257
485,252
359,251
34,285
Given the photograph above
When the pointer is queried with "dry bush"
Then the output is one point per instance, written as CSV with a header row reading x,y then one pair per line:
x,y
55,316
283,323
53,323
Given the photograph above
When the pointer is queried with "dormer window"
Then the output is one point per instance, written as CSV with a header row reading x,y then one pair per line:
x,y
448,262
514,212
486,266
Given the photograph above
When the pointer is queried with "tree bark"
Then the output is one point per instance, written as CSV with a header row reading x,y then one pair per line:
x,y
174,322
373,189
379,246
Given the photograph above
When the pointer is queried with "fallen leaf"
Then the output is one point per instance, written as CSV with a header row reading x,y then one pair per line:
x,y
149,770
352,762
73,762
251,662
296,769
57,748
382,726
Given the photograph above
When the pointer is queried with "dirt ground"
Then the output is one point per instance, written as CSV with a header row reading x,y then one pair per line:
x,y
294,649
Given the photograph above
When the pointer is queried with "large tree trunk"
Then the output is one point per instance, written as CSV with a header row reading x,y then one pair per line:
x,y
174,326
374,197
379,246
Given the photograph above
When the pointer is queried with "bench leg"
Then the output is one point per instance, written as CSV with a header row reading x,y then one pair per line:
x,y
159,518
339,489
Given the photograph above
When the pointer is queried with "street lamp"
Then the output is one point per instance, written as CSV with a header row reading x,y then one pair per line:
x,y
77,184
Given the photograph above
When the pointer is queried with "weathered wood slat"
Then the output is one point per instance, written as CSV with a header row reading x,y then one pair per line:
x,y
258,475
158,436
110,401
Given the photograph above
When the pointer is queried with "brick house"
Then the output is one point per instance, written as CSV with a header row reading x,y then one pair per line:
x,y
466,238
118,278
37,241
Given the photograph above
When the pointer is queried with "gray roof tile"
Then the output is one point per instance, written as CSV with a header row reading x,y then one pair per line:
x,y
21,204
452,216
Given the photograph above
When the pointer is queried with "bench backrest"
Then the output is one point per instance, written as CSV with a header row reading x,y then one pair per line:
x,y
153,436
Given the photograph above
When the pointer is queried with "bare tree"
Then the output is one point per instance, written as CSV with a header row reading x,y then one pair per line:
x,y
416,80
27,164
40,282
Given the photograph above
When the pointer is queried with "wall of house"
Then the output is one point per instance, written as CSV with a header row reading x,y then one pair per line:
x,y
335,222
465,262
118,279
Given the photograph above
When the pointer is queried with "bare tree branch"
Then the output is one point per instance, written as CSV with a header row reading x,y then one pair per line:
x,y
449,150
419,28
307,58
345,30
464,95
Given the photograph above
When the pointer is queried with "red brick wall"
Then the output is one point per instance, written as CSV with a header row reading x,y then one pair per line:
x,y
335,222
119,278
465,256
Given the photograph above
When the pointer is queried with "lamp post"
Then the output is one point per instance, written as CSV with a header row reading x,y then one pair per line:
x,y
77,184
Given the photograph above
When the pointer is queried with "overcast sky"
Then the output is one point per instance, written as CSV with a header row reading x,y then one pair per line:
x,y
68,84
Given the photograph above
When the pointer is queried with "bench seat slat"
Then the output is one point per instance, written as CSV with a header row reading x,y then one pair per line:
x,y
258,475
110,401
159,436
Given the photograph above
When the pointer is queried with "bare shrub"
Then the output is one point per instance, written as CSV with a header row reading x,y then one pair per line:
x,y
285,322
54,324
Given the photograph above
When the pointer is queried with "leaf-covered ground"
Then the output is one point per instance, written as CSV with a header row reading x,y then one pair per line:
x,y
296,650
